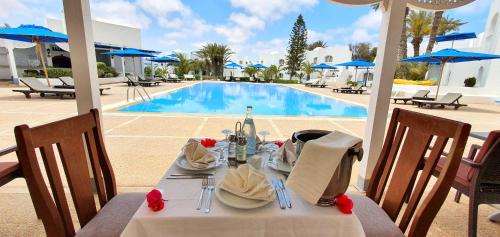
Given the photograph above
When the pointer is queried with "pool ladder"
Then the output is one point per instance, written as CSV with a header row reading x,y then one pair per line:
x,y
136,88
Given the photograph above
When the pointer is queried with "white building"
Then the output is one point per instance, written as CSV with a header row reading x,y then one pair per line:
x,y
16,57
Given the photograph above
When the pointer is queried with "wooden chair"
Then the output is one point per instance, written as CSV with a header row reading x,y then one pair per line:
x,y
407,140
9,170
80,147
478,177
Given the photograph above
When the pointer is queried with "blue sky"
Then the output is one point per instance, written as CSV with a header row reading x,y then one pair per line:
x,y
249,27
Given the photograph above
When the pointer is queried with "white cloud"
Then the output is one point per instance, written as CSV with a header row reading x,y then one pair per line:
x,y
119,12
163,8
233,34
246,21
173,23
273,9
14,7
371,20
361,35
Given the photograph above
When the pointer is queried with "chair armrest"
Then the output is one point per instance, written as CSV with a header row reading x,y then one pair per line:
x,y
5,151
473,151
472,163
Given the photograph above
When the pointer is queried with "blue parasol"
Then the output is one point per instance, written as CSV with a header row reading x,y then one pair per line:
x,y
34,34
323,66
259,66
130,53
450,56
232,66
357,64
455,36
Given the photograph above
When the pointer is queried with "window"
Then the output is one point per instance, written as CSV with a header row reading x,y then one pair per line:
x,y
329,59
315,60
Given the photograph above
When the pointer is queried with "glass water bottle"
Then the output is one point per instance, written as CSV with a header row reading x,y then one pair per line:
x,y
249,132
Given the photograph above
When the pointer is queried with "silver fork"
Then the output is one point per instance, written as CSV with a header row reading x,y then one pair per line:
x,y
211,186
204,184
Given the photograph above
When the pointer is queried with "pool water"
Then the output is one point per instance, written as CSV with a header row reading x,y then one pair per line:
x,y
233,98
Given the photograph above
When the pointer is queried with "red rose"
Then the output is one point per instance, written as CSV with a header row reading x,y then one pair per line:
x,y
279,143
155,200
344,204
208,142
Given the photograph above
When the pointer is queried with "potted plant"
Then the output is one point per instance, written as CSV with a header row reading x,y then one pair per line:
x,y
470,82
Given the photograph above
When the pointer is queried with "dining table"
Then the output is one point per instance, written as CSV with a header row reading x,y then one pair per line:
x,y
180,217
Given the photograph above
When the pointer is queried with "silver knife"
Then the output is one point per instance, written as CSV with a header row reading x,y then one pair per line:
x,y
279,194
193,174
187,177
285,194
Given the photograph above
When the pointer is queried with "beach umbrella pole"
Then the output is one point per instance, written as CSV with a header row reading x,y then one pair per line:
x,y
440,77
42,60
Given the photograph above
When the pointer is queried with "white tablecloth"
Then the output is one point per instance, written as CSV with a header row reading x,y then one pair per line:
x,y
180,218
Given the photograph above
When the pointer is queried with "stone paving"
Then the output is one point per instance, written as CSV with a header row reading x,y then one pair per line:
x,y
142,145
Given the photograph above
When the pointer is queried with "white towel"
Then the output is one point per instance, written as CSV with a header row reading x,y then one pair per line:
x,y
317,163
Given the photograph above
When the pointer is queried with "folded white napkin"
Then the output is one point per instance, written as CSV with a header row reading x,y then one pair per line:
x,y
317,163
197,155
248,182
287,152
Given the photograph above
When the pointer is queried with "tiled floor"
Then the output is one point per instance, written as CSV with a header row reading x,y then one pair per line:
x,y
142,145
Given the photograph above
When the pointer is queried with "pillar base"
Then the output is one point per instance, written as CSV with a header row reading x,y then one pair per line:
x,y
362,184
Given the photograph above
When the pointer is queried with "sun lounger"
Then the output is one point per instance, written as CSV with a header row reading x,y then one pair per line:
x,y
321,84
189,77
172,77
37,87
227,78
450,99
420,95
311,82
132,81
142,79
261,79
69,83
356,90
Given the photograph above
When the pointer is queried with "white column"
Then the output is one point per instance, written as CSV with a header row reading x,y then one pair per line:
x,y
12,63
390,34
83,59
122,61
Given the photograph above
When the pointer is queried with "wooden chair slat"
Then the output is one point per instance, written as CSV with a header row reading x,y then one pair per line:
x,y
96,168
422,182
412,151
57,187
73,158
106,169
390,162
374,184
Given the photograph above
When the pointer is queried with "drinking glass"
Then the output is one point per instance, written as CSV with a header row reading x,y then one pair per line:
x,y
264,134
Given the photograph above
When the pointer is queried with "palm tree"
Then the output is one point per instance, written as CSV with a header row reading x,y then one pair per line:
x,y
183,66
274,71
440,26
251,71
199,66
317,44
216,55
307,69
419,26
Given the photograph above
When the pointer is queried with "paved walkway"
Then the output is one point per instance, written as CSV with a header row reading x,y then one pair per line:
x,y
142,145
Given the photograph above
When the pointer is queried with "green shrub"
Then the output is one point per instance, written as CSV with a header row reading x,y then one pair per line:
x,y
411,71
281,81
470,82
104,70
59,72
147,71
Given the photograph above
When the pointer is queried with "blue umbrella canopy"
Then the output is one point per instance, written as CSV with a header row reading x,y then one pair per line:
x,y
232,65
323,66
456,36
32,33
357,63
259,66
450,56
165,59
129,53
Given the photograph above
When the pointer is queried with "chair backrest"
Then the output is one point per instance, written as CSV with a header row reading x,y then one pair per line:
x,y
173,76
421,93
67,81
78,140
449,98
490,155
132,80
34,84
408,137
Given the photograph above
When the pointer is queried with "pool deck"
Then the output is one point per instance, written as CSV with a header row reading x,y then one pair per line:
x,y
142,146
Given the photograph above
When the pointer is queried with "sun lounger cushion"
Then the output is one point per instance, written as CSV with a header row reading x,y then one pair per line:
x,y
111,220
375,222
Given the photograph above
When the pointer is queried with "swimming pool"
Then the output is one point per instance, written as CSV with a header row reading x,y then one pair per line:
x,y
232,98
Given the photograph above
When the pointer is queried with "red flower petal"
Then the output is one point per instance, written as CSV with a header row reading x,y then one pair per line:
x,y
208,142
154,196
279,143
344,204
